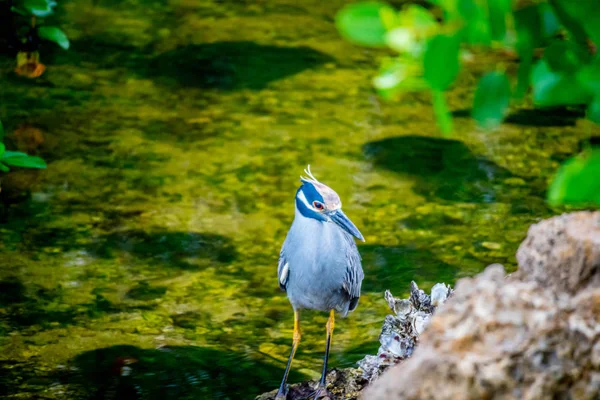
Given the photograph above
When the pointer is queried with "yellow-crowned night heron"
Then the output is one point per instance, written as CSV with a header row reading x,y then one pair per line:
x,y
319,264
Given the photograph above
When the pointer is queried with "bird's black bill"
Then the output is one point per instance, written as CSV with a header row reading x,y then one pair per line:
x,y
344,222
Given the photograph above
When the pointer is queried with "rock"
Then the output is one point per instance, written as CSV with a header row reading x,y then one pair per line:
x,y
400,332
341,384
534,335
563,252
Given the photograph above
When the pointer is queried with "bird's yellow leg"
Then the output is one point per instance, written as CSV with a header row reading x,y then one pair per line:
x,y
322,389
282,392
330,323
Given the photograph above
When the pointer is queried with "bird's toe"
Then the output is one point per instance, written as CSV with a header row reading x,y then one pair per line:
x,y
282,393
321,393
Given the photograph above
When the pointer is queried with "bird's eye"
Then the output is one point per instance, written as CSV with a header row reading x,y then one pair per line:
x,y
317,205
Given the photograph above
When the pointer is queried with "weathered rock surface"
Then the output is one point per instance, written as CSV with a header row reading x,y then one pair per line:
x,y
562,252
400,332
341,384
535,335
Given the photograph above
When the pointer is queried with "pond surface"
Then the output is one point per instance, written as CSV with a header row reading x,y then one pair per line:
x,y
175,133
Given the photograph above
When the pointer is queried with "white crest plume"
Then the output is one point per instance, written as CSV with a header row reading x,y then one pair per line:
x,y
311,178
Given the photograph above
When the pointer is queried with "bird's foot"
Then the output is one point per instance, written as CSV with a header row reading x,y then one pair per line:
x,y
321,393
282,393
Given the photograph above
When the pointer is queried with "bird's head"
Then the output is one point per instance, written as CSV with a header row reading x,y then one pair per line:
x,y
318,201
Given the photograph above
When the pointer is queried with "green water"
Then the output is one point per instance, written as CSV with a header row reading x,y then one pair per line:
x,y
175,133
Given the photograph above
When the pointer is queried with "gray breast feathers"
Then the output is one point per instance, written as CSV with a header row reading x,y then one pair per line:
x,y
353,275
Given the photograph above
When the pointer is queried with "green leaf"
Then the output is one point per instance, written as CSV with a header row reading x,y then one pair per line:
x,y
4,168
442,114
440,62
564,56
529,36
550,25
477,27
593,110
576,181
365,23
26,162
390,75
589,75
8,154
39,8
55,35
557,89
419,19
450,8
491,100
2,149
498,11
402,40
397,76
20,11
581,18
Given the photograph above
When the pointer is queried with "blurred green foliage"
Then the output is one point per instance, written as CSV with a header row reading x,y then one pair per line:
x,y
577,180
16,158
429,50
42,9
430,43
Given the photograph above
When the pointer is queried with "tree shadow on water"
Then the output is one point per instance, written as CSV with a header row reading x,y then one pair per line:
x,y
539,117
182,250
394,267
228,65
24,306
445,168
177,372
233,65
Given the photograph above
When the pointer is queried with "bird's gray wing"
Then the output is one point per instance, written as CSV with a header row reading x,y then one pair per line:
x,y
354,273
282,271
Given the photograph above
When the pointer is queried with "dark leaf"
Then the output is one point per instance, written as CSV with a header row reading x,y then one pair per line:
x,y
565,56
589,75
529,35
498,11
581,18
593,110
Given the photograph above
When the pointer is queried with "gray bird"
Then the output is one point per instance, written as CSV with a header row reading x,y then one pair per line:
x,y
319,264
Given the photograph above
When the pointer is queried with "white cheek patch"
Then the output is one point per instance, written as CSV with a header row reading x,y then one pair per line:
x,y
303,199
